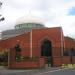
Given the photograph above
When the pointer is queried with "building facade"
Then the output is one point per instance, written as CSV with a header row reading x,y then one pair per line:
x,y
37,47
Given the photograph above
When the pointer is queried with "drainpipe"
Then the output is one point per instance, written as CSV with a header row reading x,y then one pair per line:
x,y
31,44
62,45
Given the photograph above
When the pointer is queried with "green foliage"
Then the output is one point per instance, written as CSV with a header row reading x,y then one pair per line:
x,y
22,58
4,59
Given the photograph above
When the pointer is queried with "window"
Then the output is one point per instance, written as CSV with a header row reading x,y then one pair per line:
x,y
72,51
17,48
46,48
66,52
18,51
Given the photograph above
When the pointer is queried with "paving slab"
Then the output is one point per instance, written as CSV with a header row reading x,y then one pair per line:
x,y
5,71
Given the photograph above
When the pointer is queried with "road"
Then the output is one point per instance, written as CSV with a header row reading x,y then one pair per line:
x,y
52,71
59,72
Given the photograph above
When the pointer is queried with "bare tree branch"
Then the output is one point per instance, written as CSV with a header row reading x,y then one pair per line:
x,y
1,18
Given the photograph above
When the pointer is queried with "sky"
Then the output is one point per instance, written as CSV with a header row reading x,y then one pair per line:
x,y
54,13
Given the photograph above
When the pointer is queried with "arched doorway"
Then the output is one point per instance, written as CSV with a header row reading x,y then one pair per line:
x,y
18,51
46,51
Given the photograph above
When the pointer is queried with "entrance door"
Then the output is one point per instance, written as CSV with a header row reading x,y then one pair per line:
x,y
46,51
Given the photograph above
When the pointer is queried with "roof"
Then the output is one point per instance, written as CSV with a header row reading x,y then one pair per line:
x,y
29,19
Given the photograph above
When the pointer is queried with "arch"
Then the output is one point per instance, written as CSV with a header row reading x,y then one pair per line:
x,y
18,51
46,48
46,51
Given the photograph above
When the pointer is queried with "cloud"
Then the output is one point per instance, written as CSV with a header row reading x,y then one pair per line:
x,y
54,12
59,16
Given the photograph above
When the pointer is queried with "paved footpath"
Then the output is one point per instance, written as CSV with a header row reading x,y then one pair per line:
x,y
46,71
4,71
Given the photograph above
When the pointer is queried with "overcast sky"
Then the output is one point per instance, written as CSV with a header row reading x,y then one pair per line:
x,y
53,12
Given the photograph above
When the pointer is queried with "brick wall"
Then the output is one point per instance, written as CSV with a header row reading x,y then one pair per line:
x,y
38,35
13,64
66,60
52,34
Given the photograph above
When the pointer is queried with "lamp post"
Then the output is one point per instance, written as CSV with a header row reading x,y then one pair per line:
x,y
1,18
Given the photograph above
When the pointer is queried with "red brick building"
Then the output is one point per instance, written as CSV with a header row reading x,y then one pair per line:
x,y
37,47
69,50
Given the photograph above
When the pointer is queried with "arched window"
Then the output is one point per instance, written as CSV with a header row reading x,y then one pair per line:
x,y
46,48
17,48
18,51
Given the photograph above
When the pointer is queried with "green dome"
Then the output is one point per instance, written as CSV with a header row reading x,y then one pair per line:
x,y
28,25
29,22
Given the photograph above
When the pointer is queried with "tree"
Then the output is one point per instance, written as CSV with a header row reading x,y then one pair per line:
x,y
1,18
0,4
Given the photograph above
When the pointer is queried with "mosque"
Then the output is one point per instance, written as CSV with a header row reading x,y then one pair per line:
x,y
32,45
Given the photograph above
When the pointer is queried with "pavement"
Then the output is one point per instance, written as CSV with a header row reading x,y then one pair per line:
x,y
44,71
5,71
